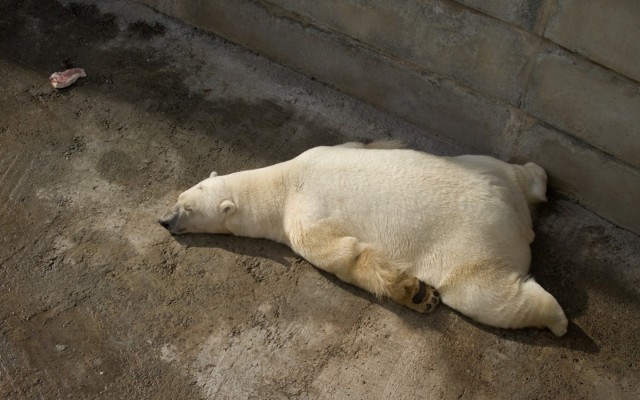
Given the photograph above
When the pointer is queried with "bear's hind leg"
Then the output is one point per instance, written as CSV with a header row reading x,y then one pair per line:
x,y
505,300
374,272
361,265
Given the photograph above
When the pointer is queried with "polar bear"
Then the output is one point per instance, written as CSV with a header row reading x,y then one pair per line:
x,y
400,223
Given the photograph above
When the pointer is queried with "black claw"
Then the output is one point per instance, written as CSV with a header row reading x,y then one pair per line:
x,y
419,297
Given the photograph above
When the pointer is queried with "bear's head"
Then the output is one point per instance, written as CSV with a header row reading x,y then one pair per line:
x,y
200,209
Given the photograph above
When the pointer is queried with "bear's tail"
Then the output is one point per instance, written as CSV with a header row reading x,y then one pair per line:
x,y
533,182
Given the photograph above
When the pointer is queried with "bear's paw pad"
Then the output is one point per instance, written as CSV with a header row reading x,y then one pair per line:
x,y
424,298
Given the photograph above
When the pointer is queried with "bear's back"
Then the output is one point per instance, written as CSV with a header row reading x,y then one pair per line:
x,y
406,199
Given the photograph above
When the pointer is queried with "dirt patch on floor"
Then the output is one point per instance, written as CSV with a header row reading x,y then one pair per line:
x,y
98,301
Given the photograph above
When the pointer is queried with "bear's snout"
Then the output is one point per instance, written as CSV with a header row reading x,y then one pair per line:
x,y
168,220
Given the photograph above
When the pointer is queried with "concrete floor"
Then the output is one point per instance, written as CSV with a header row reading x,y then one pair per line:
x,y
98,301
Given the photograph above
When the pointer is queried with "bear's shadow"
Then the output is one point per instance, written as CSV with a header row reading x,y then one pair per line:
x,y
261,248
575,339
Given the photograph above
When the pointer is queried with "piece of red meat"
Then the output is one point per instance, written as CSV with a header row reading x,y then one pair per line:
x,y
66,78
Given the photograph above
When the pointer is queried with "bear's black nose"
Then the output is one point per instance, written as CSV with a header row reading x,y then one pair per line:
x,y
164,223
169,220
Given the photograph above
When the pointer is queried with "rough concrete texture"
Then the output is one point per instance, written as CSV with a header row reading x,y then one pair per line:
x,y
591,102
98,301
605,31
426,99
439,36
527,14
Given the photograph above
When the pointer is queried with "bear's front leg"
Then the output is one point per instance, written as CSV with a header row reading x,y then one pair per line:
x,y
362,265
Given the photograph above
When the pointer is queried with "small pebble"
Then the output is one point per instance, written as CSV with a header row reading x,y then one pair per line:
x,y
61,347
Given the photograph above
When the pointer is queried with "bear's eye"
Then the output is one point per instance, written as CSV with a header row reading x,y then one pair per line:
x,y
187,207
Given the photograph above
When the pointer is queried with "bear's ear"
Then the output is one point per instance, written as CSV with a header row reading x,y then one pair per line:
x,y
227,207
213,174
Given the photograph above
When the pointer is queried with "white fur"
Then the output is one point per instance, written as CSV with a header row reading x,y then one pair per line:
x,y
368,213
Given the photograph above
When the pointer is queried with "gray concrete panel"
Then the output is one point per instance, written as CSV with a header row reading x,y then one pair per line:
x,y
439,36
606,31
593,104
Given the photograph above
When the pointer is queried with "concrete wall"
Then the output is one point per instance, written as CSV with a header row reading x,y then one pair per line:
x,y
553,81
